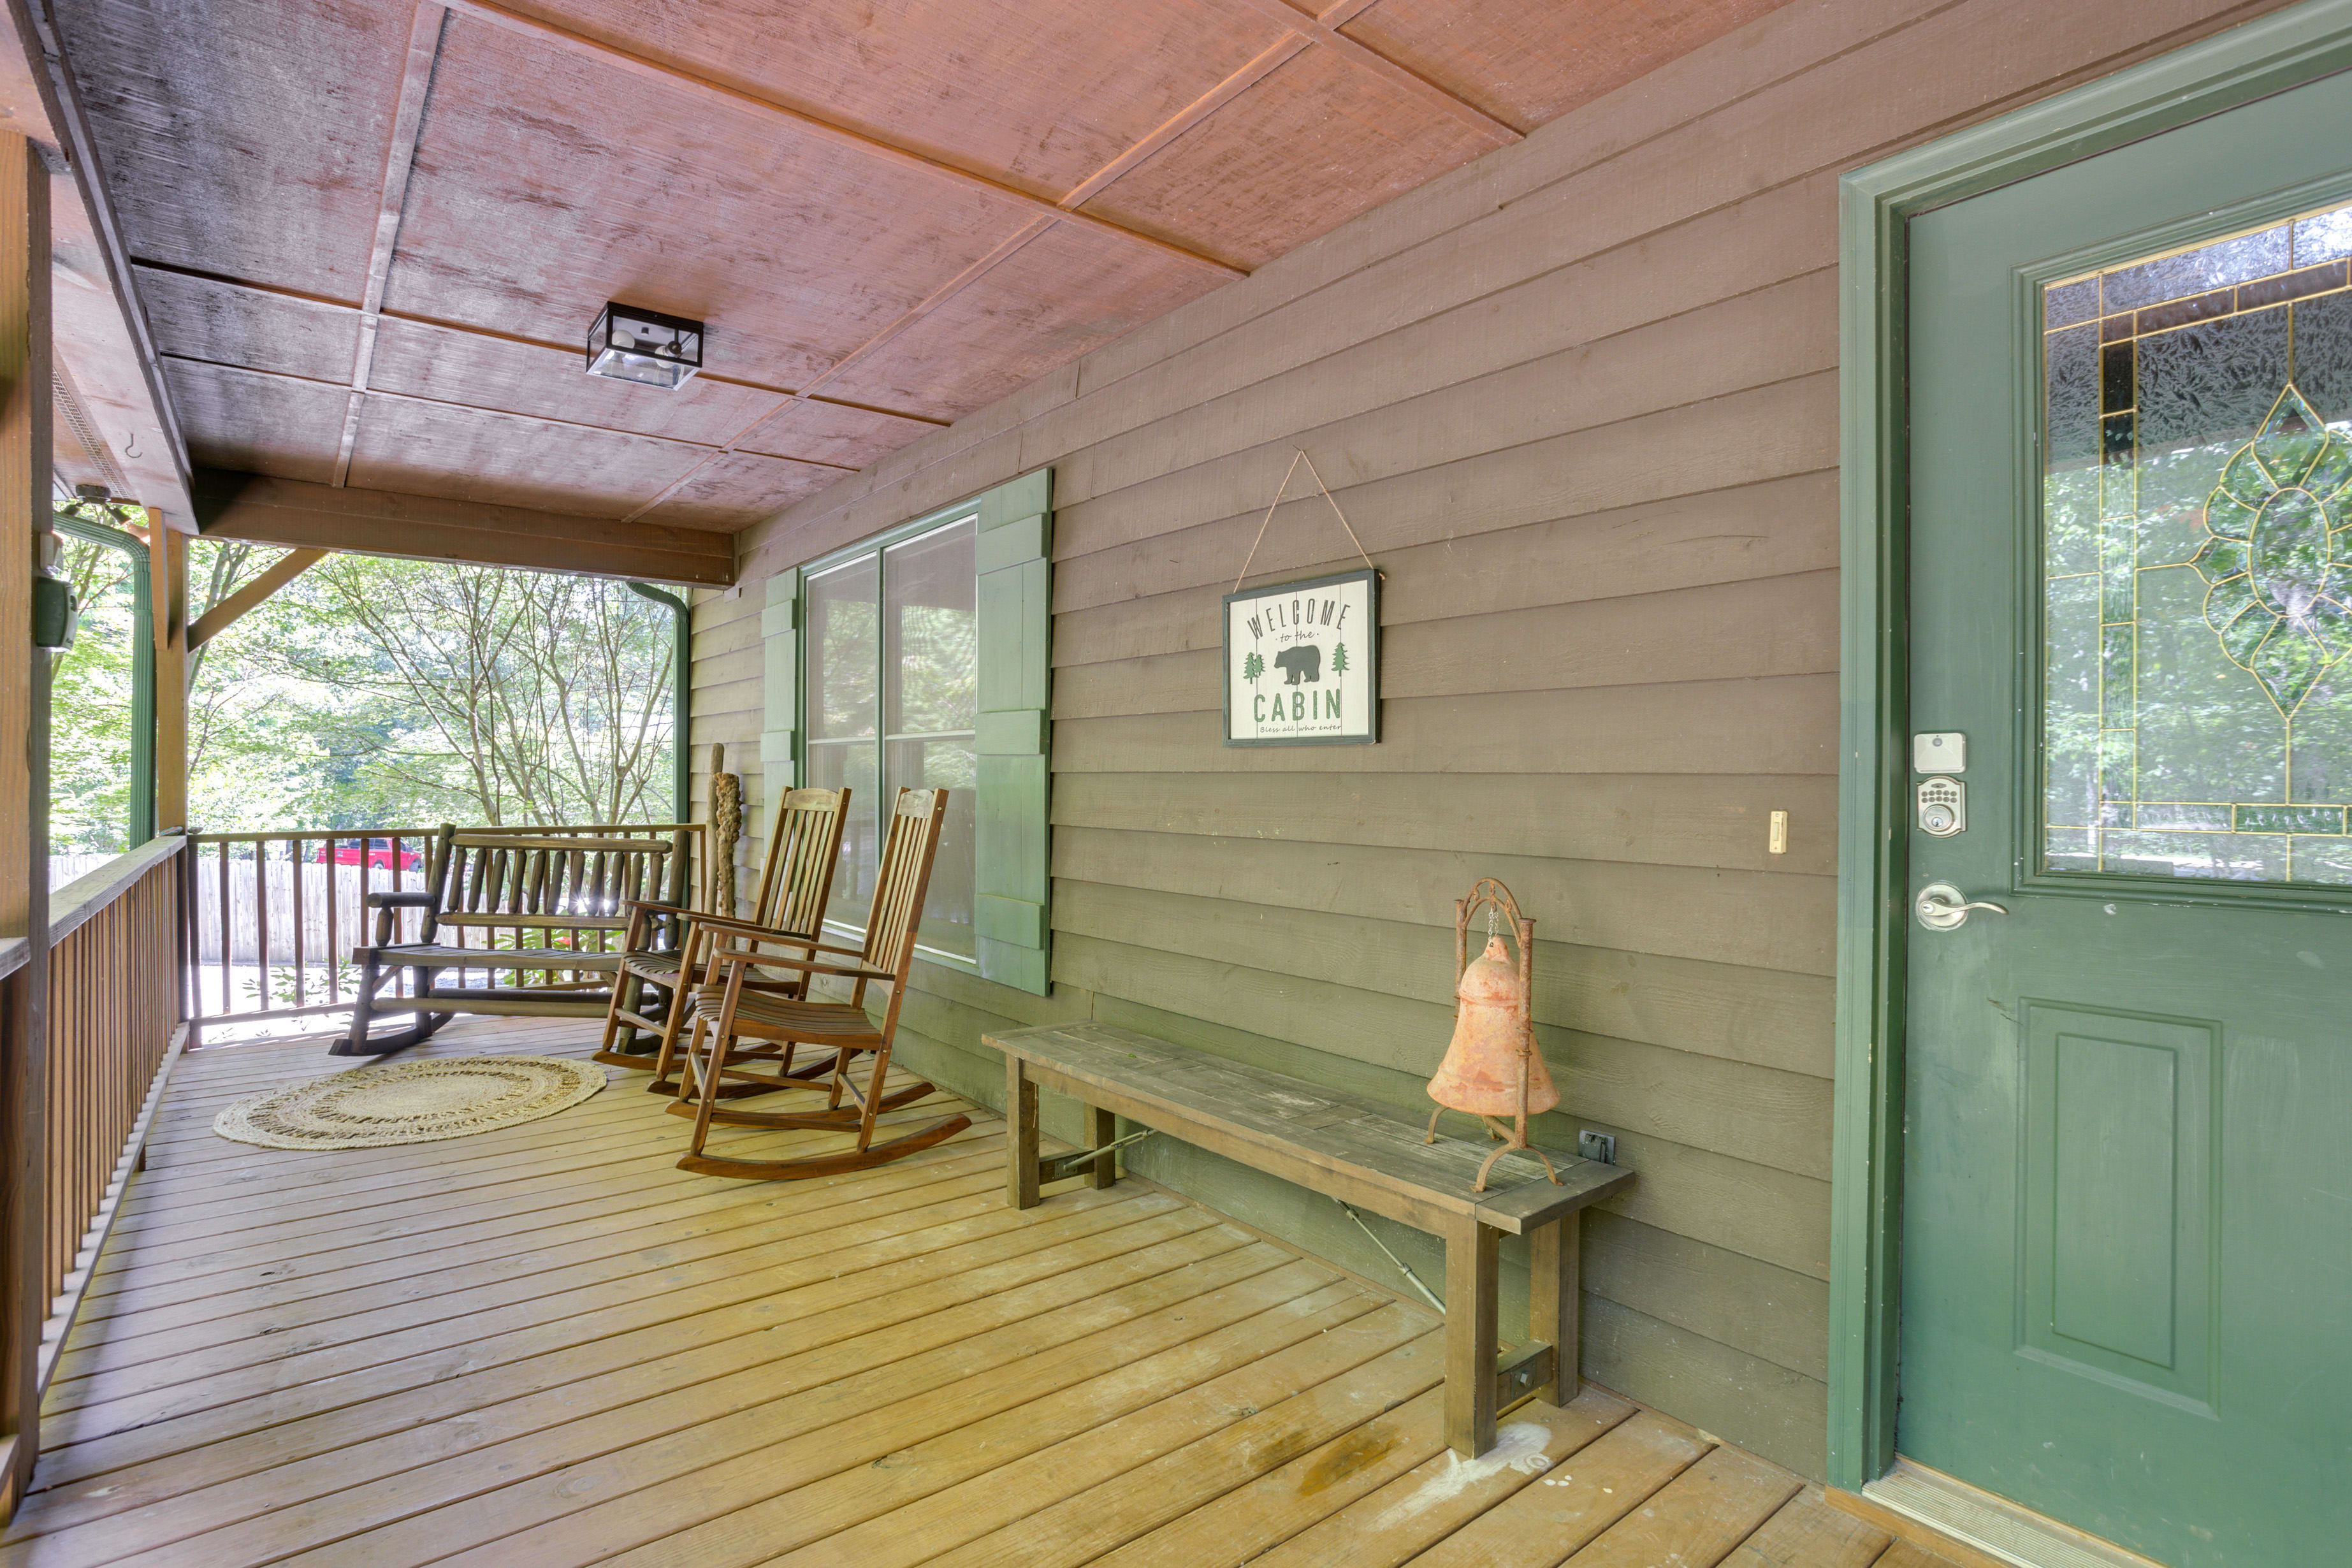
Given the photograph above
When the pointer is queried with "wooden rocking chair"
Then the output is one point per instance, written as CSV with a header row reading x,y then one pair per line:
x,y
804,846
742,1008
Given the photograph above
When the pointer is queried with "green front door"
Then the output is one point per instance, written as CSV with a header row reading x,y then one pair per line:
x,y
2126,1293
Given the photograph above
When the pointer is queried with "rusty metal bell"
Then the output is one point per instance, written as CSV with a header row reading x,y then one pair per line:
x,y
1480,1073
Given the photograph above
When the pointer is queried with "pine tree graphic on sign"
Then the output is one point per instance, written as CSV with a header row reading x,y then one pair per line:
x,y
1252,668
1339,659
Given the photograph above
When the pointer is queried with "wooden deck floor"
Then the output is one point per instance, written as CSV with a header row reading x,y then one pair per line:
x,y
548,1346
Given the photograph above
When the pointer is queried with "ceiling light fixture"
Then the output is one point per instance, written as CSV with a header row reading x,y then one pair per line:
x,y
645,346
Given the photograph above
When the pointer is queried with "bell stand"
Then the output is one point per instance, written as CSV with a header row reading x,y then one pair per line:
x,y
1497,898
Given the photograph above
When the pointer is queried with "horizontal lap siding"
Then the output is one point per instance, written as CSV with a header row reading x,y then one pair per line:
x,y
727,710
1578,400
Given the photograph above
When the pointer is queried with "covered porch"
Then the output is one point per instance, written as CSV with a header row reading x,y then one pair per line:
x,y
548,1345
1008,368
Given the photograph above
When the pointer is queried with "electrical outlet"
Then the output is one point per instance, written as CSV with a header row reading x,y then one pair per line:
x,y
1600,1148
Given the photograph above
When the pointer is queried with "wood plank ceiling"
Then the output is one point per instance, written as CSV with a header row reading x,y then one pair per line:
x,y
369,236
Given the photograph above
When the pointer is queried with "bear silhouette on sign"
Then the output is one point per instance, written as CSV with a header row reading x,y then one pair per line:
x,y
1303,662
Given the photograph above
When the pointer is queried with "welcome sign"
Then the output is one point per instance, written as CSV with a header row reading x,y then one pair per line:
x,y
1302,663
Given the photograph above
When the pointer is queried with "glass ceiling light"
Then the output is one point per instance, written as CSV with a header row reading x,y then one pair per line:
x,y
645,346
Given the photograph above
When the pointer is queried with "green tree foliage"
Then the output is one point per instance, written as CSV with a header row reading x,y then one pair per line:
x,y
90,735
1252,668
1340,658
374,692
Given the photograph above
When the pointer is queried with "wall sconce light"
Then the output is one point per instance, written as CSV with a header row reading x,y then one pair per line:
x,y
644,346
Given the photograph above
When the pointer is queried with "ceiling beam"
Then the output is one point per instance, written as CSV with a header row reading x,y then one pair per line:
x,y
309,516
619,58
1255,71
399,158
1324,29
525,416
933,301
1141,152
99,330
458,328
274,576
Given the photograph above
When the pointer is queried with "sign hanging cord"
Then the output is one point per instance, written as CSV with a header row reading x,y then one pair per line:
x,y
1298,456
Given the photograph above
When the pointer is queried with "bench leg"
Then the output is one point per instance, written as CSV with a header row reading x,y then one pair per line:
x,y
1020,1135
1554,1254
1102,1127
1472,1253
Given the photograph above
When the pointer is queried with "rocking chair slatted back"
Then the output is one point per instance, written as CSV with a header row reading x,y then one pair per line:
x,y
804,848
802,854
907,851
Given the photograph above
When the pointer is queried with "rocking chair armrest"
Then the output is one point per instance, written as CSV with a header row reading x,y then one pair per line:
x,y
408,900
736,958
771,933
640,912
655,907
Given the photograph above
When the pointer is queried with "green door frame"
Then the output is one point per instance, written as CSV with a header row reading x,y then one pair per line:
x,y
2259,57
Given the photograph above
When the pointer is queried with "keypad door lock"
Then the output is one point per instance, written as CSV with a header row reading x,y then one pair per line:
x,y
1943,806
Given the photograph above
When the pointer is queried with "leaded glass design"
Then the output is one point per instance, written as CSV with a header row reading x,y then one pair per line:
x,y
2196,560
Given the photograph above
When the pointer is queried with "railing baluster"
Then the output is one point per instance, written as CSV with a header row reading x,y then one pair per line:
x,y
301,920
334,899
227,983
262,918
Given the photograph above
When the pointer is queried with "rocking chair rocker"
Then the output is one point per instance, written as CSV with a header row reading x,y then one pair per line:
x,y
741,1008
804,846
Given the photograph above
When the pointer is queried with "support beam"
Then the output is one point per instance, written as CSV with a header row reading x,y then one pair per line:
x,y
1324,29
611,57
1265,64
1033,230
229,611
99,326
24,405
167,554
570,353
400,157
309,516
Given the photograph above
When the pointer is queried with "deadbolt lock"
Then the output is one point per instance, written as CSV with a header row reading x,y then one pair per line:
x,y
1943,806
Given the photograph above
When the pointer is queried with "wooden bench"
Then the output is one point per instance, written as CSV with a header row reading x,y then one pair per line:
x,y
1360,1152
575,889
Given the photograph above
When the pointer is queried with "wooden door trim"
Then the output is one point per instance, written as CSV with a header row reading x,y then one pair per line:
x,y
2254,60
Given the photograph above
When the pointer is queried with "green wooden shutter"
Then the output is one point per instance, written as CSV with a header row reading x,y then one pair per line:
x,y
1015,556
781,644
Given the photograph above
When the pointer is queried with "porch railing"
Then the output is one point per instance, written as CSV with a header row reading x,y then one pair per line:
x,y
116,1009
274,916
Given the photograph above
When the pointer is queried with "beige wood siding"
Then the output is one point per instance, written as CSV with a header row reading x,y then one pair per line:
x,y
1579,400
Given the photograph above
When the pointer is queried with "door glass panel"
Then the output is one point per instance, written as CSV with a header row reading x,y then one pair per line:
x,y
2196,560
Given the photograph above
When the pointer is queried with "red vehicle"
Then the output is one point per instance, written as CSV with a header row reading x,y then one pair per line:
x,y
379,855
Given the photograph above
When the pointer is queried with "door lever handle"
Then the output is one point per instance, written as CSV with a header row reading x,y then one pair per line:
x,y
1943,907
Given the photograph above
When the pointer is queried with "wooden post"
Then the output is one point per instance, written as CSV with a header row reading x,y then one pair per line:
x,y
1020,1134
1473,1254
1102,1127
167,556
1555,1252
24,505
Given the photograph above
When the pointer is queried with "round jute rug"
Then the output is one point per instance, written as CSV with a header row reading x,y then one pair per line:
x,y
410,1102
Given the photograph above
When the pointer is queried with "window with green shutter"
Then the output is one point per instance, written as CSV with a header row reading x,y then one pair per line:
x,y
919,658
